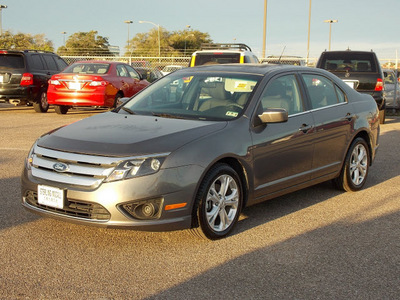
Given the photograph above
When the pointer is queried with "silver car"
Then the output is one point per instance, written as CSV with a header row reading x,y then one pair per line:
x,y
200,144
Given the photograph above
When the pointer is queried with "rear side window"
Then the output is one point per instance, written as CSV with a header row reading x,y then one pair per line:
x,y
61,64
11,61
216,58
37,62
51,64
322,91
348,62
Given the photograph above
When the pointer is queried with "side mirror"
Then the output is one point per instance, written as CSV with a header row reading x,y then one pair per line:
x,y
122,100
274,115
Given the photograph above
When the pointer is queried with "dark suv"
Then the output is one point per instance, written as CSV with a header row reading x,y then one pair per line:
x,y
24,75
359,69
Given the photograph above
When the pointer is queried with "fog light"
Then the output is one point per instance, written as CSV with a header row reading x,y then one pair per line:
x,y
144,209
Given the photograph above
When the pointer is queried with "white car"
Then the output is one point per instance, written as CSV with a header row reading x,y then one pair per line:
x,y
171,68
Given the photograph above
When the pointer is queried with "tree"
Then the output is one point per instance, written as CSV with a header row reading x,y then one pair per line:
x,y
188,41
22,41
85,43
172,44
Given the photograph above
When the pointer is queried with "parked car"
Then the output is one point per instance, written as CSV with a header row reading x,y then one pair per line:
x,y
284,60
391,88
170,68
361,70
193,156
93,83
222,54
151,74
24,75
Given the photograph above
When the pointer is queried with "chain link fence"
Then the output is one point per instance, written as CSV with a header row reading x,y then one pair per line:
x,y
140,61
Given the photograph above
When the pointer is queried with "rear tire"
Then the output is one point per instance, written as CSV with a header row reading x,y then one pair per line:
x,y
61,109
42,105
355,168
218,203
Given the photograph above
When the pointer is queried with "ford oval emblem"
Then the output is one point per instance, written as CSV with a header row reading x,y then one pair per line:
x,y
60,167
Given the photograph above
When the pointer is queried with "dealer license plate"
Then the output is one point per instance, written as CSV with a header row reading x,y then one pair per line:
x,y
50,196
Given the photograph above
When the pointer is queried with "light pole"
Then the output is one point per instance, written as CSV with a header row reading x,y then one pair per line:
x,y
309,29
63,33
128,22
265,29
159,40
330,30
1,25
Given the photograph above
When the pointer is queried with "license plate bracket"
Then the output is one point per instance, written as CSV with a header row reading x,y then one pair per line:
x,y
51,196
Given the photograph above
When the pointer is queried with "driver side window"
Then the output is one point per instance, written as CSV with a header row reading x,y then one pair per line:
x,y
283,92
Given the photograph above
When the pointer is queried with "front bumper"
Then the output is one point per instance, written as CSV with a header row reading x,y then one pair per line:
x,y
104,206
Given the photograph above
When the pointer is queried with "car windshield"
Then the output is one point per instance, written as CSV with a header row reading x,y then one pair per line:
x,y
195,95
87,68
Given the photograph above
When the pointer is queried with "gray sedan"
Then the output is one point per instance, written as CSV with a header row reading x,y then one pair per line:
x,y
200,144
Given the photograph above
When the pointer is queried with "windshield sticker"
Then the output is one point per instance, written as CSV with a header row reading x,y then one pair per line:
x,y
232,114
239,85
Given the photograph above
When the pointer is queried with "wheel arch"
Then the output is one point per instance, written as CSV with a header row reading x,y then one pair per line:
x,y
365,136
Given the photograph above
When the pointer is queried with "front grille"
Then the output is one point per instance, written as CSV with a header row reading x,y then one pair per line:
x,y
80,170
72,208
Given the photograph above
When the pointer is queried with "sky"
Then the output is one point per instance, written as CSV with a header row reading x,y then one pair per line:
x,y
362,24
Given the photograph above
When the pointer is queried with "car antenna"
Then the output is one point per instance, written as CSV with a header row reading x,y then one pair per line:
x,y
279,60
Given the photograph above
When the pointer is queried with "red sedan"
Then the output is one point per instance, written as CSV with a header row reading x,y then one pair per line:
x,y
93,83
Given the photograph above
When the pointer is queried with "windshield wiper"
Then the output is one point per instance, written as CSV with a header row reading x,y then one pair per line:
x,y
128,110
164,115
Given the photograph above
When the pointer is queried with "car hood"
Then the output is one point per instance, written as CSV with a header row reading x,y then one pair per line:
x,y
112,134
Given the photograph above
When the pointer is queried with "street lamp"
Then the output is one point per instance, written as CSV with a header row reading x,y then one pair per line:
x,y
1,26
264,29
63,33
159,40
128,22
330,29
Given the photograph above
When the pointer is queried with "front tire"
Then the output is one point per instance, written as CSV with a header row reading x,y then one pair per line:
x,y
61,109
218,202
42,105
356,166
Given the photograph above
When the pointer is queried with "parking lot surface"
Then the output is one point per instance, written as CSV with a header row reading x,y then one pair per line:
x,y
318,243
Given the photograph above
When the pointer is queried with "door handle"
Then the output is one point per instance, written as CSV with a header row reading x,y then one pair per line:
x,y
305,128
349,117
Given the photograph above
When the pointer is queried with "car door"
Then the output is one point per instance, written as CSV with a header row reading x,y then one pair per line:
x,y
282,152
138,83
125,81
333,119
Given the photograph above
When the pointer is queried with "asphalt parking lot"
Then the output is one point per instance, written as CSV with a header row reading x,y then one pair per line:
x,y
318,243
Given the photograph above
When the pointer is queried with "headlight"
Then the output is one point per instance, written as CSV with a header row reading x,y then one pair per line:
x,y
136,167
29,158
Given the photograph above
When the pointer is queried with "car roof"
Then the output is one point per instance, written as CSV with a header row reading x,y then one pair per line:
x,y
260,69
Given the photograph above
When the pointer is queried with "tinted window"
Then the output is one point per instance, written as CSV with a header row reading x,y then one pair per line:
x,y
217,58
283,92
37,62
61,64
51,64
348,61
322,91
12,61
